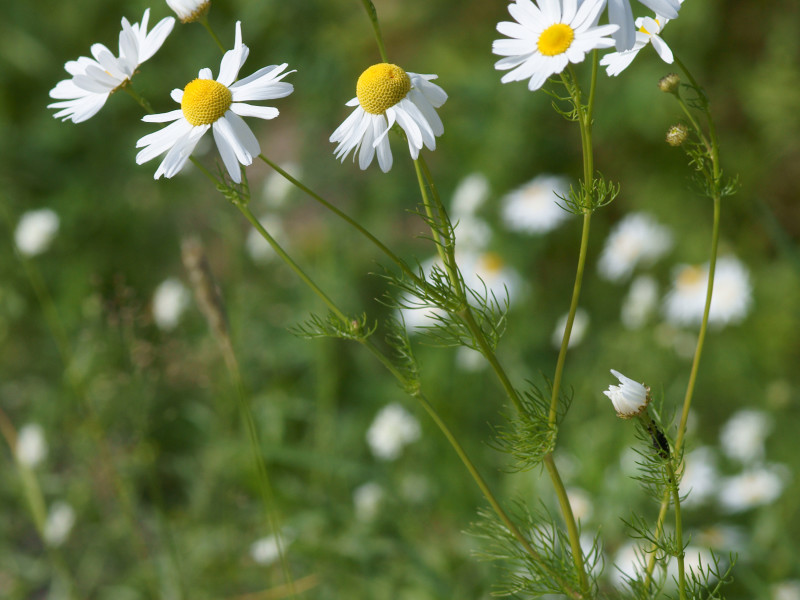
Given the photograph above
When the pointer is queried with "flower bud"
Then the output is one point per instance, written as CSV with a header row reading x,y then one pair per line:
x,y
677,134
669,83
190,11
629,397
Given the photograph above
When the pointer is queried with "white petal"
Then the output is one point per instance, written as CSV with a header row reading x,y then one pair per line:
x,y
155,38
663,50
164,117
249,110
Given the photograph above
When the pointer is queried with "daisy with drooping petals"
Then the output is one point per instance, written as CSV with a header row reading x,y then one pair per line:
x,y
189,11
385,95
648,30
218,105
547,37
94,80
620,13
629,398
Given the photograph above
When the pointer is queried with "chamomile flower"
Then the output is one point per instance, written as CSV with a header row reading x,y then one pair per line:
x,y
95,79
637,239
218,105
189,11
620,13
547,37
647,32
535,206
629,398
385,95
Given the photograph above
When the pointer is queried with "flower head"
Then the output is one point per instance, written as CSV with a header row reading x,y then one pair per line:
x,y
218,105
640,302
620,13
35,231
534,207
647,32
31,448
629,397
169,301
393,428
545,38
385,95
189,11
753,487
638,238
742,437
95,79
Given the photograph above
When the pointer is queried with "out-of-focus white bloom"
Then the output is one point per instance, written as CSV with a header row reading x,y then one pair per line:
x,y
386,94
169,301
472,233
579,326
257,247
393,429
35,231
469,196
487,273
581,503
265,550
637,239
276,187
620,13
544,39
189,11
648,30
753,487
471,360
31,447
742,437
629,398
628,562
730,303
59,523
640,302
724,538
367,499
94,80
535,206
700,476
786,590
694,557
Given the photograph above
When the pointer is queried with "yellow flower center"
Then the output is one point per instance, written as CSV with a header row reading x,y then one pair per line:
x,y
381,87
690,276
204,101
643,30
555,39
491,263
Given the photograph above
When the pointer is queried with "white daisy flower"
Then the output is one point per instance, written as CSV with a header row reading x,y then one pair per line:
x,y
470,194
648,30
751,488
487,274
189,11
35,231
547,37
580,324
730,302
31,448
169,301
638,238
94,80
218,105
620,13
640,302
392,429
742,437
385,95
629,398
700,476
535,206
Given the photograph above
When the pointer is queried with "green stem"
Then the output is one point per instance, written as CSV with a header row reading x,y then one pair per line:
x,y
140,100
678,530
204,22
373,17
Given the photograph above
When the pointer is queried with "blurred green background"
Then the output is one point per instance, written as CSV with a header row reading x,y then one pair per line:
x,y
145,442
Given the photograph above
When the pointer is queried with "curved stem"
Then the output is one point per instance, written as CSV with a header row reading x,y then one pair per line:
x,y
373,17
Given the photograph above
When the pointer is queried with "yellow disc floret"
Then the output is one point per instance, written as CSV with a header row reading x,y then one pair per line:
x,y
381,87
555,39
204,101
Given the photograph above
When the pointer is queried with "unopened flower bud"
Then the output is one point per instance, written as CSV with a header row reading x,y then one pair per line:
x,y
677,134
669,83
629,397
190,11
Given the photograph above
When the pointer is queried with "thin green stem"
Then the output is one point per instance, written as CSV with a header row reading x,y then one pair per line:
x,y
140,100
204,22
373,17
676,500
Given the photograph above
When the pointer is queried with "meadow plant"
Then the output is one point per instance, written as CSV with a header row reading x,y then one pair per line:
x,y
461,297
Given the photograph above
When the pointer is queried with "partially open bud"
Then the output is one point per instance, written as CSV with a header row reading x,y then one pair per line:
x,y
189,11
669,83
629,397
677,134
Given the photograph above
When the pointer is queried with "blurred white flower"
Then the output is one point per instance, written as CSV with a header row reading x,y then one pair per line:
x,y
724,538
276,187
468,359
469,196
786,590
265,551
742,437
581,503
647,31
392,429
535,206
730,303
35,231
59,523
367,499
628,562
472,233
579,326
700,476
620,13
694,557
640,302
637,239
257,247
629,398
189,10
31,447
169,301
487,274
753,487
